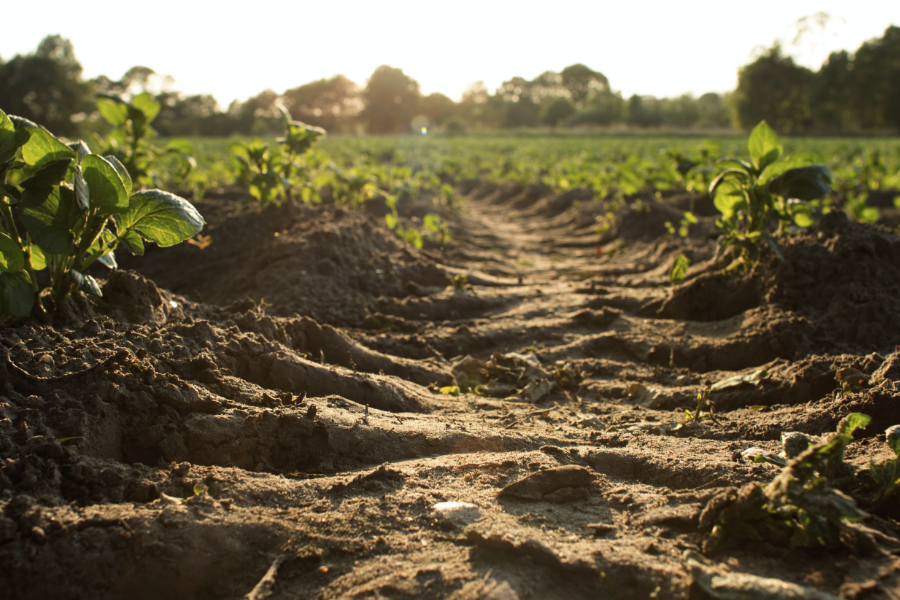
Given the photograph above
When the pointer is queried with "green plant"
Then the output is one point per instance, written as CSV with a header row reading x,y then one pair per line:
x,y
798,507
698,414
128,141
436,230
274,173
76,209
457,281
679,269
884,478
686,221
769,190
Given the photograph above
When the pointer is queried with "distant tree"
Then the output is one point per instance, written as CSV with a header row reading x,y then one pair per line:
x,y
775,89
518,107
391,99
557,111
713,111
437,107
478,109
679,112
583,82
329,103
188,115
830,93
604,108
545,88
47,87
643,111
874,93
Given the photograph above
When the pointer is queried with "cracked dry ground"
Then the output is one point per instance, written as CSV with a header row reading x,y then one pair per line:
x,y
203,431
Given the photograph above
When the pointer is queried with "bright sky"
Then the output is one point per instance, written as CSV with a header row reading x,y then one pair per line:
x,y
236,50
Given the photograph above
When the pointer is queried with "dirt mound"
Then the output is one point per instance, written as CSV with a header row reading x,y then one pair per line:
x,y
840,276
334,265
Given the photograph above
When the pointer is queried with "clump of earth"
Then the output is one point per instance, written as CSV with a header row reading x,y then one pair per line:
x,y
307,407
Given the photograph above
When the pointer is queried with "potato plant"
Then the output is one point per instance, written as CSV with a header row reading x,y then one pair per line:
x,y
68,209
274,173
768,192
128,141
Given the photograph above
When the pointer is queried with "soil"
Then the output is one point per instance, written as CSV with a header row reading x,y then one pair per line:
x,y
263,417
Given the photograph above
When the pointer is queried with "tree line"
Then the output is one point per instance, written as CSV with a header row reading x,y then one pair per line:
x,y
851,92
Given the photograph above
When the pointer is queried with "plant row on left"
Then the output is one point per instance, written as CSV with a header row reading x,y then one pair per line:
x,y
64,208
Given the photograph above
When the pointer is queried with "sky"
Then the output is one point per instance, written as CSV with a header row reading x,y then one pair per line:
x,y
235,51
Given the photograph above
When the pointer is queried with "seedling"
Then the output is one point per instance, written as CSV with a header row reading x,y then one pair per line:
x,y
458,281
274,173
76,208
767,190
798,507
679,269
698,414
850,379
884,478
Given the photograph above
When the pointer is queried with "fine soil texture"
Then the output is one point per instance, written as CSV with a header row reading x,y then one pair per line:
x,y
279,410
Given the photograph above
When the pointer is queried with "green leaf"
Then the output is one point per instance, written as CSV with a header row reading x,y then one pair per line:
x,y
22,122
431,223
765,147
81,149
12,191
16,295
851,423
791,161
804,183
82,190
7,138
49,217
145,103
38,258
108,260
730,197
107,191
50,174
85,283
43,147
390,220
12,259
773,245
183,146
159,217
122,171
802,214
13,135
869,214
113,109
679,269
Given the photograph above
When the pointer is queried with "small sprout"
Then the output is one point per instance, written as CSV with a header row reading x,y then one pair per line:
x,y
698,414
679,269
70,438
200,489
884,479
458,281
451,390
850,379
